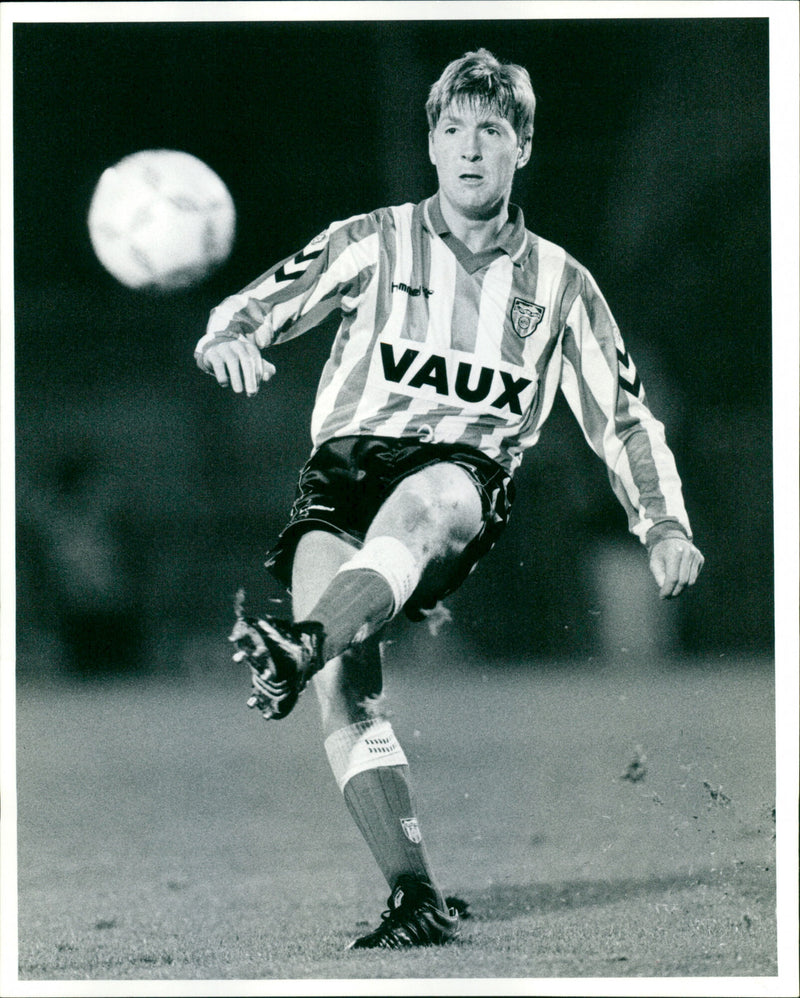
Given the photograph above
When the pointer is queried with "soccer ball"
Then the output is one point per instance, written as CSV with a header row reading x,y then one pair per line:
x,y
161,219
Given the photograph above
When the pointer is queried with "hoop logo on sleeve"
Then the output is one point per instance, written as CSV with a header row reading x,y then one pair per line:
x,y
526,316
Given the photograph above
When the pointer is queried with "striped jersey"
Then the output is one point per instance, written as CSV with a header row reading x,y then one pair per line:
x,y
441,344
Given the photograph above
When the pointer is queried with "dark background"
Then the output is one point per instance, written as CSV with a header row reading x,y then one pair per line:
x,y
146,495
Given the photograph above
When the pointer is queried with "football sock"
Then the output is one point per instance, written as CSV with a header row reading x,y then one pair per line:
x,y
372,772
366,592
379,802
354,605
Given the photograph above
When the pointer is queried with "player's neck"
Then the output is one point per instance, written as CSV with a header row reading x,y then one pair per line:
x,y
477,234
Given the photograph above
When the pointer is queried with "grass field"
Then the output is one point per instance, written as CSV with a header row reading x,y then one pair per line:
x,y
602,822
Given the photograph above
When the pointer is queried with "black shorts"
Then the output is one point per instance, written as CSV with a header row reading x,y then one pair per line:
x,y
346,481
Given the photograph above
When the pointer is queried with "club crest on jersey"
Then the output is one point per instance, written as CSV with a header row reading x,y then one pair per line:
x,y
411,830
526,316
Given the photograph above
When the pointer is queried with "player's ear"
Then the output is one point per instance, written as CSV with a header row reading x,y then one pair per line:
x,y
431,153
524,152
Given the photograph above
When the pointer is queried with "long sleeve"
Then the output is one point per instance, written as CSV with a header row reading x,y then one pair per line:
x,y
603,389
298,293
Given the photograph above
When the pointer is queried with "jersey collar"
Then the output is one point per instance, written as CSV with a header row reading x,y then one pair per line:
x,y
513,238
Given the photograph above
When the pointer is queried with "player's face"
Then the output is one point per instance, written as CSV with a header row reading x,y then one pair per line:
x,y
476,153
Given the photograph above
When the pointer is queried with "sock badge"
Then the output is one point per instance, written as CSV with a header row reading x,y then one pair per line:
x,y
411,830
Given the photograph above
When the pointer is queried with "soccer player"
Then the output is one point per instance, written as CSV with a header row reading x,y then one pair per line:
x,y
458,326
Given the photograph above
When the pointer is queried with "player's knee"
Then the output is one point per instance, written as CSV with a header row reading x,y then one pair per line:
x,y
440,505
414,509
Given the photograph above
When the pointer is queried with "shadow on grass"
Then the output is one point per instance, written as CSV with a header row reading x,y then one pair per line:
x,y
501,902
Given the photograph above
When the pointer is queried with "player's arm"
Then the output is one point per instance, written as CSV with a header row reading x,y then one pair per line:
x,y
605,393
244,324
292,297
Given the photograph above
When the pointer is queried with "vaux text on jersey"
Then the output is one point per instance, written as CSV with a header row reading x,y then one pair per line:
x,y
419,372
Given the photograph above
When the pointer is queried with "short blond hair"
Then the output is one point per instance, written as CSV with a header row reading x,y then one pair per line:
x,y
483,81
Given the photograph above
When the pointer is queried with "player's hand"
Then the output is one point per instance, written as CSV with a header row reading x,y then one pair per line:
x,y
675,563
237,363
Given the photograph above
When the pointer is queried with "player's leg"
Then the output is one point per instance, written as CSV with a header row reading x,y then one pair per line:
x,y
367,761
422,540
318,556
414,539
345,685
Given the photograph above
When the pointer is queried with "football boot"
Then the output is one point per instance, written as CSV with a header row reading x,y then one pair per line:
x,y
413,918
282,656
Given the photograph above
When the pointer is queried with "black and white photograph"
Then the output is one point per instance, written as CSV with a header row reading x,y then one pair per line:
x,y
399,505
